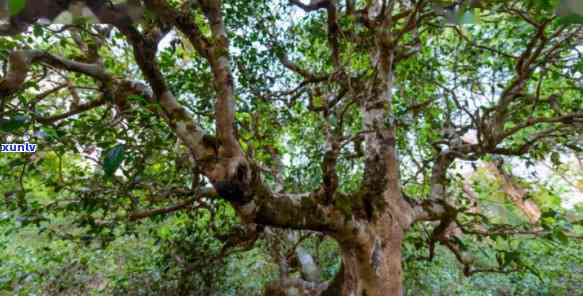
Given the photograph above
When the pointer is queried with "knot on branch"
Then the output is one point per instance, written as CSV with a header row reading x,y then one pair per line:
x,y
232,180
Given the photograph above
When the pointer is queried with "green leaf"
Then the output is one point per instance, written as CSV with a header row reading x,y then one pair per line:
x,y
467,18
572,19
561,237
535,271
12,124
113,159
555,158
51,133
164,232
16,6
37,30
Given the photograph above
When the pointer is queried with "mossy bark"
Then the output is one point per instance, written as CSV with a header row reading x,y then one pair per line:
x,y
371,259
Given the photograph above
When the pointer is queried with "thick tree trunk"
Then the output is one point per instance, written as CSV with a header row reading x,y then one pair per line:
x,y
371,260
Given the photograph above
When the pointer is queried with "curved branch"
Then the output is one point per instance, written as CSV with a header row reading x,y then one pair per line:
x,y
79,109
223,82
21,61
217,54
187,204
295,212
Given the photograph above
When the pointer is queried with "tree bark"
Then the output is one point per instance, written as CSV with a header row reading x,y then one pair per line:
x,y
371,260
371,244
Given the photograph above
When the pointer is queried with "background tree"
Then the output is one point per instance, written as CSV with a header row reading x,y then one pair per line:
x,y
352,119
